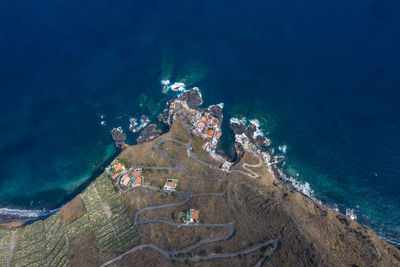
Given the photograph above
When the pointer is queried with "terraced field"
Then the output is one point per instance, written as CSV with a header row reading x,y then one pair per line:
x,y
46,243
267,222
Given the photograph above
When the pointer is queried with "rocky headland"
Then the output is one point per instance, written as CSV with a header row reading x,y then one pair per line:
x,y
172,200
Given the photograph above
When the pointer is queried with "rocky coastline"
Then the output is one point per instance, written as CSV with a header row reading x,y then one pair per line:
x,y
251,196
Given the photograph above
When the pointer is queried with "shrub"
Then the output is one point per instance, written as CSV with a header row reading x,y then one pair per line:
x,y
218,249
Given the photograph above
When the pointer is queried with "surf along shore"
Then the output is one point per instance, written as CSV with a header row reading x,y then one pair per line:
x,y
119,211
248,136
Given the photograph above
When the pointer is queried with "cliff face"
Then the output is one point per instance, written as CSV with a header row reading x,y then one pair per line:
x,y
172,200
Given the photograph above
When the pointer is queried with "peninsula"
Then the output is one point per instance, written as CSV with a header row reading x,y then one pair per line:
x,y
172,200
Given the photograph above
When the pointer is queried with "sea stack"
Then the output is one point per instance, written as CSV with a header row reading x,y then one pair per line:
x,y
118,136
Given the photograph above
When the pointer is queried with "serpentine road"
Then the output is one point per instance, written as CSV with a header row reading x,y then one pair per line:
x,y
172,255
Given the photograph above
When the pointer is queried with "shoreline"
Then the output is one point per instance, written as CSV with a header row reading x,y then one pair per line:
x,y
29,216
15,218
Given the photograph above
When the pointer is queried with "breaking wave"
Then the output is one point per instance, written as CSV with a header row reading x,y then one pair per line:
x,y
302,187
16,214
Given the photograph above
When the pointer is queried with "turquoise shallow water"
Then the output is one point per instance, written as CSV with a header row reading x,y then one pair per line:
x,y
323,78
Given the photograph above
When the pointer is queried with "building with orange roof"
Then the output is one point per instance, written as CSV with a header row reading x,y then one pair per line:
x,y
136,181
192,216
171,184
125,180
136,173
195,215
210,133
119,167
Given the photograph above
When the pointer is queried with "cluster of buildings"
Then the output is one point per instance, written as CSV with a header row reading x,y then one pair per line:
x,y
128,178
246,144
132,178
201,124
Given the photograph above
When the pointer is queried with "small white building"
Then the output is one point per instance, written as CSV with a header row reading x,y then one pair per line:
x,y
226,166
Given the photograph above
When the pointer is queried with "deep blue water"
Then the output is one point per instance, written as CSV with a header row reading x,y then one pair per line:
x,y
322,76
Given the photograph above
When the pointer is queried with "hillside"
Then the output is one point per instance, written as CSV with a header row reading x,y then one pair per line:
x,y
243,216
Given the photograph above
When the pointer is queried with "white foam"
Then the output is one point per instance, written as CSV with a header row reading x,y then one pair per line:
x,y
258,132
304,188
390,240
165,82
178,86
20,213
283,148
136,128
255,122
119,129
350,213
132,124
335,207
238,121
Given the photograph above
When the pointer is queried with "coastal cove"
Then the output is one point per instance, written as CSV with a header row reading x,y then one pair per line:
x,y
321,78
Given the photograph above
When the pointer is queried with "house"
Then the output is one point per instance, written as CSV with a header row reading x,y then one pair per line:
x,y
115,169
192,216
125,180
195,215
226,166
210,132
218,134
137,172
136,181
171,184
119,167
200,126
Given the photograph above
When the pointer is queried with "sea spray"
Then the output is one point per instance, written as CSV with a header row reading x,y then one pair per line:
x,y
23,214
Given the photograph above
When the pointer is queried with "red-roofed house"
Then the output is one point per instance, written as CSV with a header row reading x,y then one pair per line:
x,y
171,184
119,167
195,215
125,180
136,181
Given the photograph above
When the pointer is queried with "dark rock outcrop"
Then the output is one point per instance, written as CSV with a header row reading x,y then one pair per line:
x,y
165,118
260,141
215,111
237,128
119,137
192,97
148,133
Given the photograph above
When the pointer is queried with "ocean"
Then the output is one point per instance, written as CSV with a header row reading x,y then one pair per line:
x,y
323,78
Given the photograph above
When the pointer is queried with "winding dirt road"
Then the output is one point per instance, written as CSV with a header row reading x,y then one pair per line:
x,y
172,255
